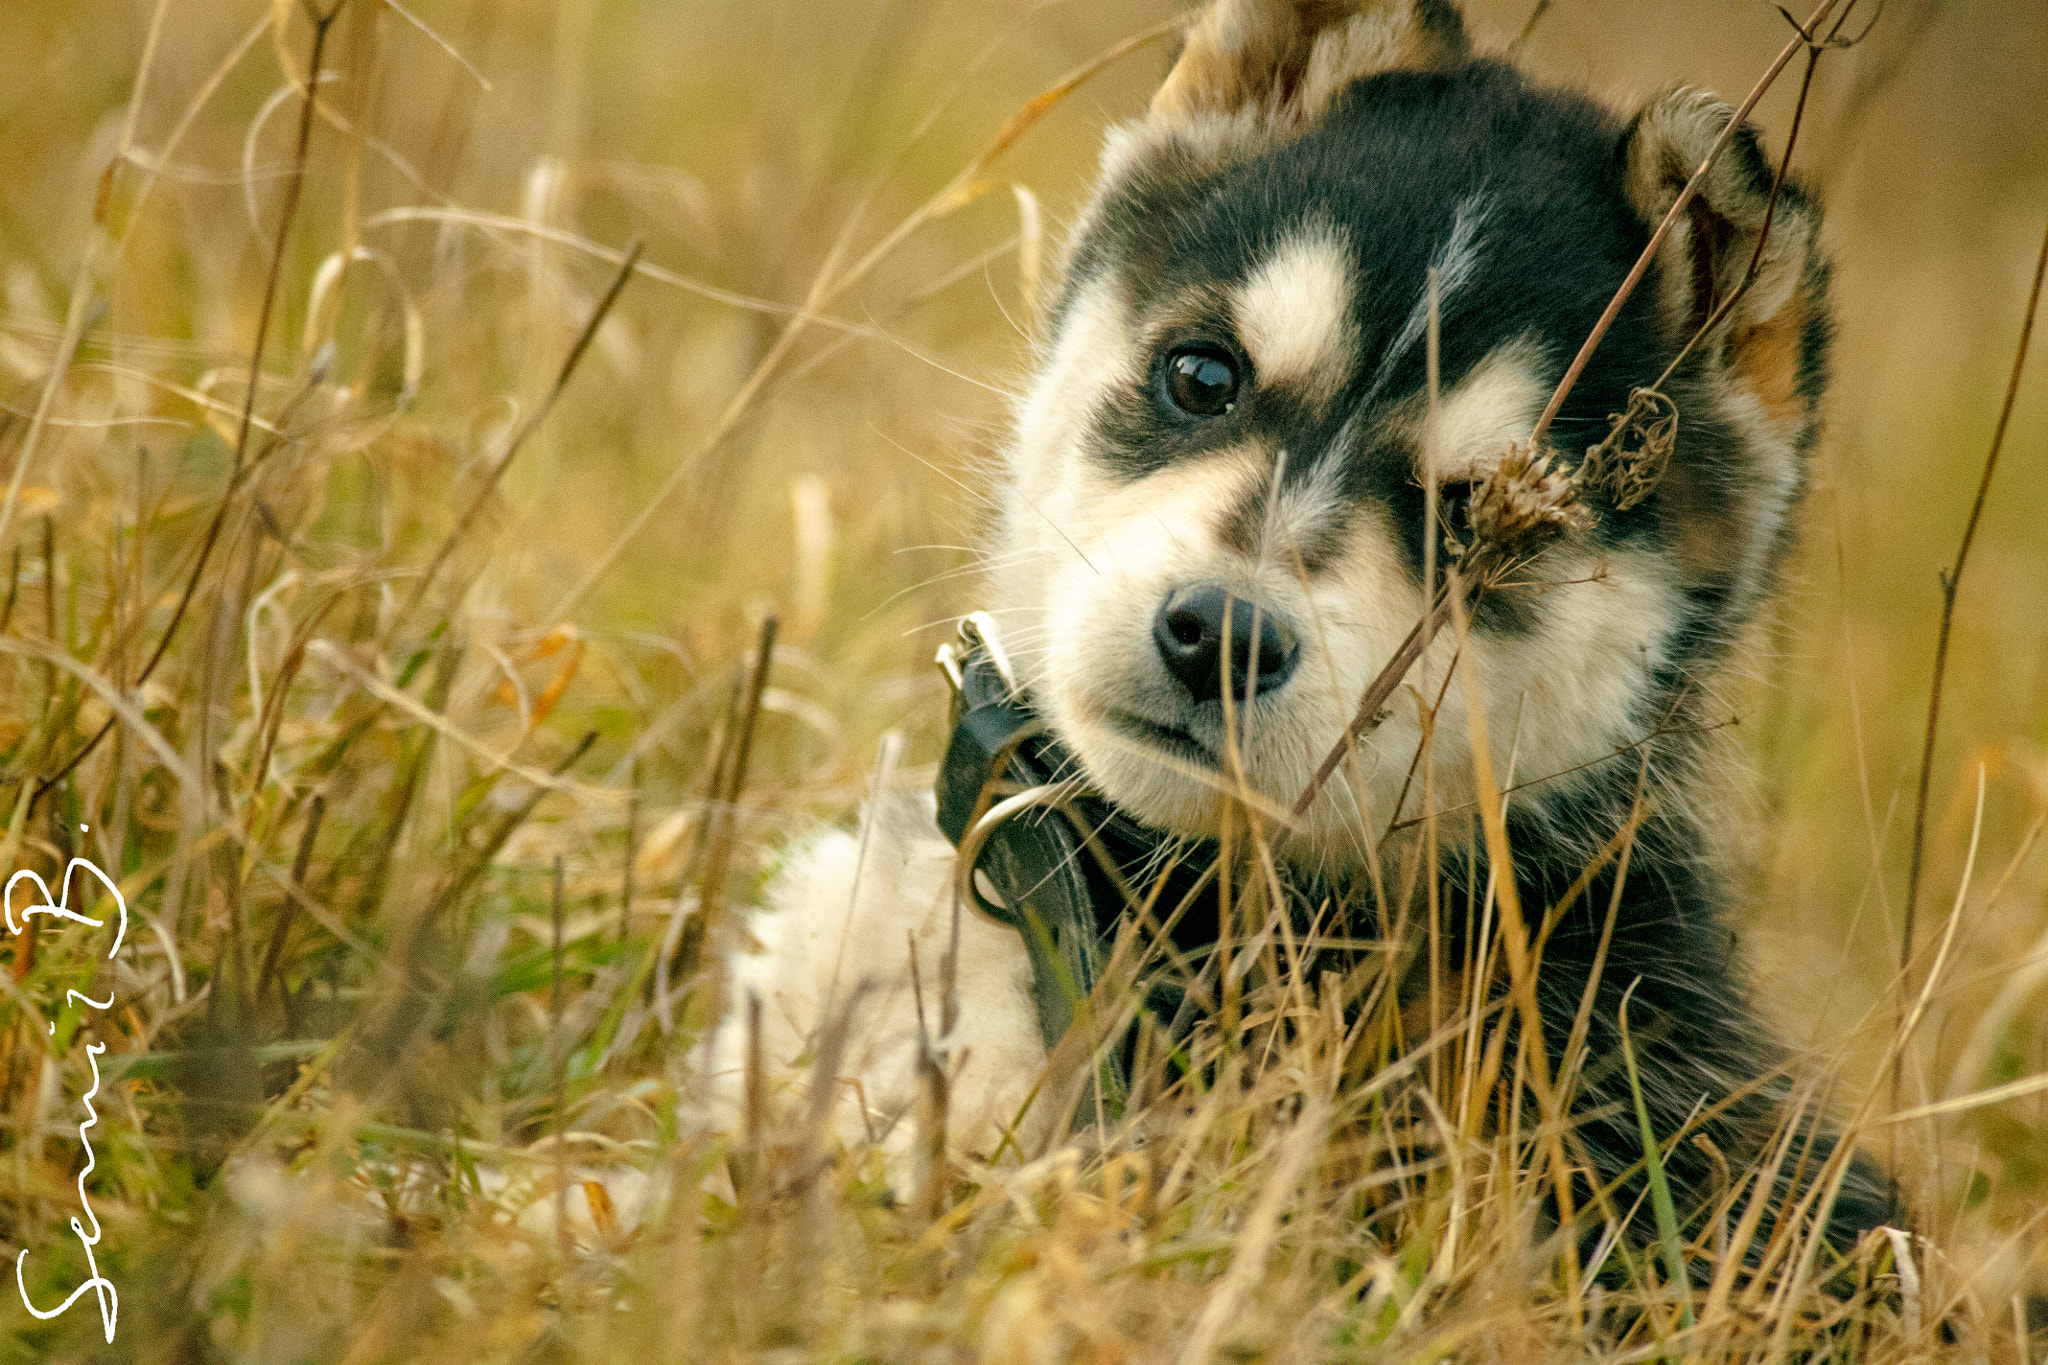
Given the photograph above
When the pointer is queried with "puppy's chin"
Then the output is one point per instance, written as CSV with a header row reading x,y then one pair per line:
x,y
1173,791
1166,780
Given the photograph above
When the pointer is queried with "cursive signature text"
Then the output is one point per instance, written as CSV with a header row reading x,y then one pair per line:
x,y
60,908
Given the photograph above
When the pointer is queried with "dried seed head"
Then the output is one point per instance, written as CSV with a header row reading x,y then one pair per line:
x,y
1628,465
1522,503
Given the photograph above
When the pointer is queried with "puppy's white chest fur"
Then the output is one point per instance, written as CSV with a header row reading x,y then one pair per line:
x,y
835,932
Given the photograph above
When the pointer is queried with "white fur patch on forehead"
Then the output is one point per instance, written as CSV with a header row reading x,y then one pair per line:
x,y
1294,315
1494,405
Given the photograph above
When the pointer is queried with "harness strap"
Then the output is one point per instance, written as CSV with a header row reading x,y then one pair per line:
x,y
1029,868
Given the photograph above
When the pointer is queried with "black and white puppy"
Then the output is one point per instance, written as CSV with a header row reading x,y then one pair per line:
x,y
1231,410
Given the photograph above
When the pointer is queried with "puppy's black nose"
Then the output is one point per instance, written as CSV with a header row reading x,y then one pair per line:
x,y
1190,630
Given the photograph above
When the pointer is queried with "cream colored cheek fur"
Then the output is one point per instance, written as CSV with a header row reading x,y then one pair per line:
x,y
1562,695
1093,351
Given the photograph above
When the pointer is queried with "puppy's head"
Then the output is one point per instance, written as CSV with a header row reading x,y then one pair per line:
x,y
1214,502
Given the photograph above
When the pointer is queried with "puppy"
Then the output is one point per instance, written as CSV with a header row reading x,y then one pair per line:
x,y
1214,515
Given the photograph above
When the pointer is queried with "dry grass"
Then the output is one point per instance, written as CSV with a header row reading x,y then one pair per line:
x,y
459,704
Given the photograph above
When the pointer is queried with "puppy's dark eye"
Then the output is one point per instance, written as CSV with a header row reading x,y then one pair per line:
x,y
1201,381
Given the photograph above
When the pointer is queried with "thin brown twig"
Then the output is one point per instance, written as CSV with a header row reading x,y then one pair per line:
x,y
1951,578
271,720
1521,41
1483,568
1678,206
50,624
561,1063
1375,699
721,826
240,465
632,853
720,851
1426,715
1814,48
294,185
273,957
13,590
1763,236
519,439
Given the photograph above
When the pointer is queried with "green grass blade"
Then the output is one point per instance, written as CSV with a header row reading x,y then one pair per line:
x,y
1660,1188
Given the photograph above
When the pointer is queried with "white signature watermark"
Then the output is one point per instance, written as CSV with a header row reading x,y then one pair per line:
x,y
60,908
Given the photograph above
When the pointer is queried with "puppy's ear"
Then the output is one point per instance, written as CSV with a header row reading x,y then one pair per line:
x,y
1774,338
1287,59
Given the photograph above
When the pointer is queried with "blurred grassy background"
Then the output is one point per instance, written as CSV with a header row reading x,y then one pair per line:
x,y
748,146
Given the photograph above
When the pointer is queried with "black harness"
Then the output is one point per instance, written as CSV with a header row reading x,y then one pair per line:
x,y
1045,856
